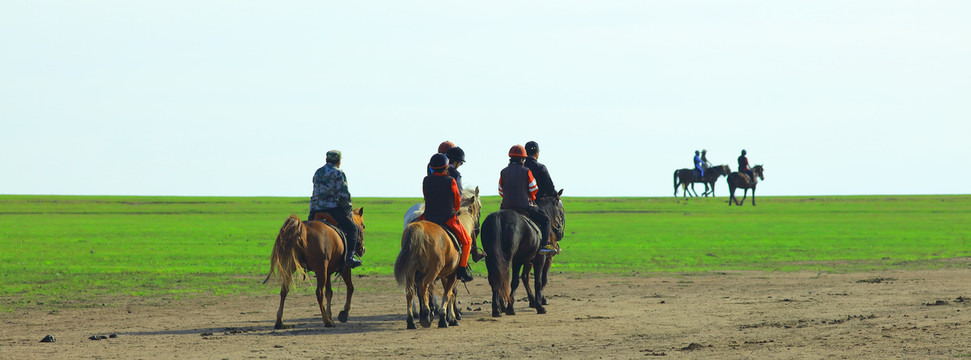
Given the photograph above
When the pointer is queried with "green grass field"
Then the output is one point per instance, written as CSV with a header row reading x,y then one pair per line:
x,y
76,250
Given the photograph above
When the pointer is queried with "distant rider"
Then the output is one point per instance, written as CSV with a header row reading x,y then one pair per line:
x,y
542,176
705,164
744,168
518,190
443,148
699,168
443,199
332,196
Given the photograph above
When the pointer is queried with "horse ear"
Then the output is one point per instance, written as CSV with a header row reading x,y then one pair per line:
x,y
560,193
476,191
359,211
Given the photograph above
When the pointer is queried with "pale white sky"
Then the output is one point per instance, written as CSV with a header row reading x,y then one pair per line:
x,y
243,98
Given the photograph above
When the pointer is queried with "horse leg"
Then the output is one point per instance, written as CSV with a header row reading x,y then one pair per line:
x,y
546,273
279,313
410,303
731,199
516,271
538,265
744,195
753,196
323,284
346,275
496,285
424,316
529,291
448,310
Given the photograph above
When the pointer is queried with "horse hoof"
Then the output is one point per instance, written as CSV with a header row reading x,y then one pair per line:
x,y
442,323
541,310
411,325
496,313
342,317
458,316
510,311
453,323
280,326
545,302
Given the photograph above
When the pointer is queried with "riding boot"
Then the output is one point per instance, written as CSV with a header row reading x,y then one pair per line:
x,y
463,274
475,254
349,260
545,246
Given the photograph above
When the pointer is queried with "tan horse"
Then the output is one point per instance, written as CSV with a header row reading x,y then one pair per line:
x,y
314,246
427,254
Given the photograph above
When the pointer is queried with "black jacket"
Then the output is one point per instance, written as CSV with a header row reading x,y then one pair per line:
x,y
442,198
542,177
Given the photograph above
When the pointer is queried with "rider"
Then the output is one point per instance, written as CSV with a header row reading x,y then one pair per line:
x,y
705,164
331,196
518,190
744,168
442,203
699,170
542,176
456,158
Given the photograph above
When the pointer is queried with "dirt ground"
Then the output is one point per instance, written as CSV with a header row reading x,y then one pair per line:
x,y
735,315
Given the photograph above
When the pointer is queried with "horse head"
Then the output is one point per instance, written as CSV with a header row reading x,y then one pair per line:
x,y
759,171
553,207
359,220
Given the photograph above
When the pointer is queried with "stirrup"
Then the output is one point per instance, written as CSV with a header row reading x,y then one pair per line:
x,y
548,249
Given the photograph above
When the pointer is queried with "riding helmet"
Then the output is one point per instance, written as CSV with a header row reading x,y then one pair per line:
x,y
444,146
531,148
438,161
456,154
743,151
333,156
517,151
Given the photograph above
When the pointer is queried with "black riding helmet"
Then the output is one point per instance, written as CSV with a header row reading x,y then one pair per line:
x,y
438,161
455,154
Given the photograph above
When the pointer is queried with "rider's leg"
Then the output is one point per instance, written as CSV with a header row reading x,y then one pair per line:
x,y
541,219
463,271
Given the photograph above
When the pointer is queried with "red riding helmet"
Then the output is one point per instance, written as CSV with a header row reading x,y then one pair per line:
x,y
444,146
517,151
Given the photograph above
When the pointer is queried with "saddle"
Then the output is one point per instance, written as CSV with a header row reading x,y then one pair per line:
x,y
451,235
748,180
329,221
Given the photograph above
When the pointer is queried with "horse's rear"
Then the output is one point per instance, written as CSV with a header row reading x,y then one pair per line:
x,y
510,242
428,250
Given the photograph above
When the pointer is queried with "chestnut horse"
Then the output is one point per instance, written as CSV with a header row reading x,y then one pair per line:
x,y
428,254
741,181
314,246
553,208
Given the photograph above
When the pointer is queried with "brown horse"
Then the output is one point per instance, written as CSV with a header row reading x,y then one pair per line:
x,y
428,254
741,181
314,246
685,177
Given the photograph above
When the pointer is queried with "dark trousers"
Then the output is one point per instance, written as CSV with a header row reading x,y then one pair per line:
x,y
540,218
345,222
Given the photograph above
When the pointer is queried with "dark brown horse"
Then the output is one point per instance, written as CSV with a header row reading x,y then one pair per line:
x,y
685,177
427,254
314,246
510,239
553,208
742,181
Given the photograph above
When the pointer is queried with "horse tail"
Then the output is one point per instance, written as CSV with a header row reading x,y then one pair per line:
x,y
496,263
408,258
284,261
676,183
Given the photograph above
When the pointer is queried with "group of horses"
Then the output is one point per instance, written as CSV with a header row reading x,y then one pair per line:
x,y
688,177
428,254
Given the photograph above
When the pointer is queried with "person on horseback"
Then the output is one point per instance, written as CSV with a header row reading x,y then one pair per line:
x,y
442,203
456,158
705,164
744,168
542,176
518,189
332,196
699,169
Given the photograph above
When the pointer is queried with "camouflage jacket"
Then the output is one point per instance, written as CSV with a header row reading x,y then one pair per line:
x,y
330,189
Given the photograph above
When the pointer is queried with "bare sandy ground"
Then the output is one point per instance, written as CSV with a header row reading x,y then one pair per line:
x,y
734,315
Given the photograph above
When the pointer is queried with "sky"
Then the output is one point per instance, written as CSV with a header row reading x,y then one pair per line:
x,y
244,98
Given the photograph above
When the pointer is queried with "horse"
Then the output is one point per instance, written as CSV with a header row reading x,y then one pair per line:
x,y
470,197
553,208
510,239
684,177
741,181
427,254
314,246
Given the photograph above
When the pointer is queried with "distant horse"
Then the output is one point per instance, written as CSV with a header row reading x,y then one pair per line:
x,y
314,246
510,239
427,254
741,181
685,177
553,208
